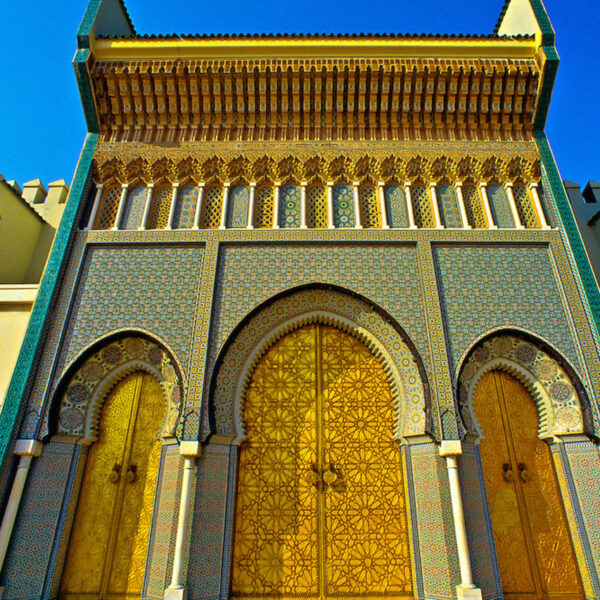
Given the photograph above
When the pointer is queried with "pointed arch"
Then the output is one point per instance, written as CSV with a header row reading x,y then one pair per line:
x,y
562,403
327,305
83,388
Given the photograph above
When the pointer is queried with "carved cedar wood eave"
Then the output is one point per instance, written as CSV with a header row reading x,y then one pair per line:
x,y
195,99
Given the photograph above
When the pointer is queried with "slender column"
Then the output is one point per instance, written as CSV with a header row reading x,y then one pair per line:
x,y
486,206
436,208
190,451
251,206
26,449
382,209
357,223
95,206
330,224
513,206
409,206
173,204
450,449
538,206
121,207
199,206
461,205
303,207
276,207
225,206
147,207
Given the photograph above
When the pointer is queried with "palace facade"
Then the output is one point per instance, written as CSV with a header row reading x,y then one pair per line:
x,y
317,323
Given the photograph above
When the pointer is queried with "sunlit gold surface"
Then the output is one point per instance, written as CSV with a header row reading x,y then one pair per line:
x,y
533,544
109,541
318,409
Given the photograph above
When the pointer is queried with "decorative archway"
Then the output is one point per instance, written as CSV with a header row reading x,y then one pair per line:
x,y
87,384
328,306
562,409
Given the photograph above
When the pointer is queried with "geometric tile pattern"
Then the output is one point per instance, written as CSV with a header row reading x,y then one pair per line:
x,y
560,416
95,373
264,207
208,528
343,206
409,398
395,204
134,208
386,274
153,288
289,206
237,213
212,206
435,525
525,207
487,287
185,207
448,205
108,208
499,206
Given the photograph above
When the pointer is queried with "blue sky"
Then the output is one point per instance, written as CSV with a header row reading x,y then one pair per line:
x,y
41,121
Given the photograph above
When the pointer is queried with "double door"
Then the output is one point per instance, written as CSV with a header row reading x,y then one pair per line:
x,y
531,535
320,503
109,541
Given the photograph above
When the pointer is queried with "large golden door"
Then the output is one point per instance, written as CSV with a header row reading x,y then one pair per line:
x,y
531,535
320,504
109,541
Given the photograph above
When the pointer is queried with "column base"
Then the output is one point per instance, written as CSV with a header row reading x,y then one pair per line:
x,y
467,593
179,592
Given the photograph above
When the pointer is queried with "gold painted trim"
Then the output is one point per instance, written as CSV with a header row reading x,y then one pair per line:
x,y
124,49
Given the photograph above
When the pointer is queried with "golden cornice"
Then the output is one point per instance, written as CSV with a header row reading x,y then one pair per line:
x,y
124,49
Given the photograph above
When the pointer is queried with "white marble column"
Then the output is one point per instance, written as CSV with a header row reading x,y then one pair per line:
x,y
303,208
95,206
251,206
409,206
199,206
436,208
276,206
147,206
121,208
461,205
450,449
223,224
26,450
382,208
172,207
190,452
356,199
513,205
538,206
330,224
486,206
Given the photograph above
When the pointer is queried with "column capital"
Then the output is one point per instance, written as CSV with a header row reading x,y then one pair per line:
x,y
28,448
407,184
253,184
508,184
381,184
458,184
150,185
201,184
99,186
175,184
356,183
190,449
482,184
532,186
432,184
303,183
277,184
124,186
329,184
450,448
226,184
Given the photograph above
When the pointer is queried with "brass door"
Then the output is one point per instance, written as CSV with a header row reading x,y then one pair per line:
x,y
531,535
109,541
320,502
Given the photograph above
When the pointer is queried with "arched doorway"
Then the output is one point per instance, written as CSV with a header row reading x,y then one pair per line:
x,y
321,508
109,541
531,535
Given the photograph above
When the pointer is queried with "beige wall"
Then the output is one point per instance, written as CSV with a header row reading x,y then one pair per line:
x,y
16,302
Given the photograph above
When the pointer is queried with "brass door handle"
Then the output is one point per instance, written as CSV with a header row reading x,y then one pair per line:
x,y
524,473
507,472
330,476
131,473
115,473
312,476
